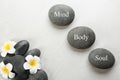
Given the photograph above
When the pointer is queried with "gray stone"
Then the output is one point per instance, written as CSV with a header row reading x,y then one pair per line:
x,y
101,58
22,47
34,52
40,75
81,37
61,15
1,58
17,61
23,76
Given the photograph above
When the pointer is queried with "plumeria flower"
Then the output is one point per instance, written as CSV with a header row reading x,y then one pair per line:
x,y
8,48
32,64
5,70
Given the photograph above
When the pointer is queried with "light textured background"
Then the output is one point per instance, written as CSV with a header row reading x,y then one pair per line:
x,y
28,19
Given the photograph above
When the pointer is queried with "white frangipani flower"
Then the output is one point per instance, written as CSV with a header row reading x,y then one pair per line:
x,y
8,48
33,63
5,70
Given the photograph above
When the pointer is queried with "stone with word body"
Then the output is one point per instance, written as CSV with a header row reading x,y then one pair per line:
x,y
81,37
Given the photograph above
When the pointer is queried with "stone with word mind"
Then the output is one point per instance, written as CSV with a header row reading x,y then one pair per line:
x,y
101,58
61,15
81,37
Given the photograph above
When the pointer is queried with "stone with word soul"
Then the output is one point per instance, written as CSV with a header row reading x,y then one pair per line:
x,y
61,14
101,58
81,37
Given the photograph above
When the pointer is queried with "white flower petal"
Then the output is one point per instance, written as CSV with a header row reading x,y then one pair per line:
x,y
9,66
2,49
2,64
9,41
4,76
39,66
33,71
12,51
29,57
37,58
13,43
3,54
0,71
26,66
11,75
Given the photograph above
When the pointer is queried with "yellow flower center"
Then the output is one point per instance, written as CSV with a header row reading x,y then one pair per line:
x,y
7,47
5,70
33,63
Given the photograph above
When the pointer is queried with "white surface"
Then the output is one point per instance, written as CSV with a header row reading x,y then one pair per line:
x,y
28,19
